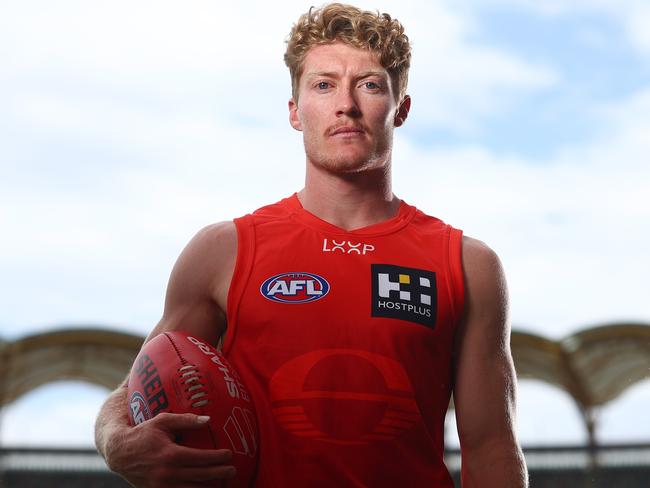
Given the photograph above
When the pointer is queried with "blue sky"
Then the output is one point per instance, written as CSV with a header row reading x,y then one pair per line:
x,y
125,127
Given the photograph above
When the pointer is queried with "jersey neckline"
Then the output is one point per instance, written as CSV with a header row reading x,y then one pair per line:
x,y
404,215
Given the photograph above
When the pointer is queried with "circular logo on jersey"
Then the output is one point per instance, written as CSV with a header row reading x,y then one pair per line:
x,y
138,408
295,288
341,396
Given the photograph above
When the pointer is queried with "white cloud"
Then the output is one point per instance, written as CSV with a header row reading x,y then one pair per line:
x,y
637,23
127,39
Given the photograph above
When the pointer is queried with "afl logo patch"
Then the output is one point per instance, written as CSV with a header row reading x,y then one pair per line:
x,y
139,408
295,288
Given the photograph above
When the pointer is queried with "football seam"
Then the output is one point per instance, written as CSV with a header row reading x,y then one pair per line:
x,y
178,352
184,361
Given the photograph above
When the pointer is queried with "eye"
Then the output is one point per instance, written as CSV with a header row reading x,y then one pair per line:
x,y
323,85
371,85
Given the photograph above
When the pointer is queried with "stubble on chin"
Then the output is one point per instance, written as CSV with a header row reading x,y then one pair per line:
x,y
338,163
346,161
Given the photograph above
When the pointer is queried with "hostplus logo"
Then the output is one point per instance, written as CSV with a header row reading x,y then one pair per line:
x,y
404,293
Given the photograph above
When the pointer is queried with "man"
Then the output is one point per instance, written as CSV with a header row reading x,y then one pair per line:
x,y
350,315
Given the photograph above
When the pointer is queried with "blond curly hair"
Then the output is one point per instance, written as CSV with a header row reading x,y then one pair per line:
x,y
363,29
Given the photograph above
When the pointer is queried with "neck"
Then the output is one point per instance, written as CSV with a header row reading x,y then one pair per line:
x,y
349,200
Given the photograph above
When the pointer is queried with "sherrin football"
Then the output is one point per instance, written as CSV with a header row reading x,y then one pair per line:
x,y
178,373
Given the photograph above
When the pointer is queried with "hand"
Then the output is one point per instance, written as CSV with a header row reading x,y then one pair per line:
x,y
147,455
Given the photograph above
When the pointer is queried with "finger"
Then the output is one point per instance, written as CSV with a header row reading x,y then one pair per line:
x,y
192,457
170,471
181,475
172,422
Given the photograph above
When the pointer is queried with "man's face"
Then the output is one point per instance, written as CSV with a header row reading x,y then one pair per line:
x,y
346,109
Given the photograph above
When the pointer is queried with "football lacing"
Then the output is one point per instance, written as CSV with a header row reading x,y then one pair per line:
x,y
196,391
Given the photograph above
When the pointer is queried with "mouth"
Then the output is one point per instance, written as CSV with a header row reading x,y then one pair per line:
x,y
347,131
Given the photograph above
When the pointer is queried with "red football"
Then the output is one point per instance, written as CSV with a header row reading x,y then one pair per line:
x,y
175,372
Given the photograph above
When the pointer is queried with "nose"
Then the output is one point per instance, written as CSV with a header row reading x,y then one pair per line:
x,y
346,103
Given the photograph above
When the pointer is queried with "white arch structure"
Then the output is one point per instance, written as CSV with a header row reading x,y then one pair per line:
x,y
594,366
97,356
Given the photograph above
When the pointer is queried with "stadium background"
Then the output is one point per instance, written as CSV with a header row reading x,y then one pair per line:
x,y
127,126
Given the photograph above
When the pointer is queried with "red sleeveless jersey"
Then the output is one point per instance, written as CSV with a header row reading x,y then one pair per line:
x,y
344,339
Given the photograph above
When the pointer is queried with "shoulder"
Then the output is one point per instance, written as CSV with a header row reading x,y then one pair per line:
x,y
224,233
480,262
485,282
207,260
198,286
477,253
213,243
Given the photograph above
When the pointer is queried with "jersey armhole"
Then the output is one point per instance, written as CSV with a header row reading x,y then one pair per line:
x,y
240,276
456,273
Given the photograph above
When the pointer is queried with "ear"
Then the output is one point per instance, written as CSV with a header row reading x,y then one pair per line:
x,y
402,111
294,119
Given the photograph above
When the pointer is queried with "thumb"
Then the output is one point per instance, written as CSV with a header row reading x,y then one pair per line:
x,y
173,422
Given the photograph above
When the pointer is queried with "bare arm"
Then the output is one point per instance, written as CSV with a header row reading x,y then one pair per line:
x,y
485,381
146,455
